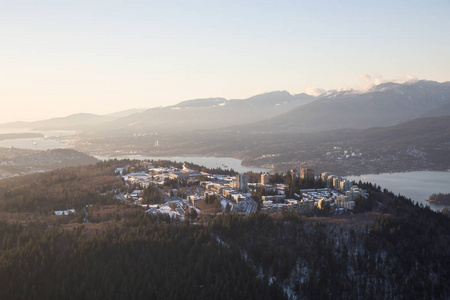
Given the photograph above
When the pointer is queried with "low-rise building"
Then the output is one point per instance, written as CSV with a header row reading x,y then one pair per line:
x,y
274,198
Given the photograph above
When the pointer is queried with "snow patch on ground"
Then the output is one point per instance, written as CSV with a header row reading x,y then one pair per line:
x,y
64,212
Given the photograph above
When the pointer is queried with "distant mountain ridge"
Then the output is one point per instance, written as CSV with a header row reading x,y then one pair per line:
x,y
443,110
209,113
278,111
125,113
200,103
383,105
80,121
420,132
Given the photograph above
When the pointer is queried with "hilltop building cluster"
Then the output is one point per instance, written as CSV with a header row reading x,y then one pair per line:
x,y
339,194
230,192
235,194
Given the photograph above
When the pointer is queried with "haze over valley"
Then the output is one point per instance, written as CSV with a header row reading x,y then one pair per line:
x,y
391,127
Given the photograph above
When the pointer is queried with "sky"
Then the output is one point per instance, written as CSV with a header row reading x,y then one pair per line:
x,y
63,57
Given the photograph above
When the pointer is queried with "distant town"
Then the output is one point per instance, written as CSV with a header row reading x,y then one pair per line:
x,y
182,193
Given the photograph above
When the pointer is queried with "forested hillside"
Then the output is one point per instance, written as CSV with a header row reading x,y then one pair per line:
x,y
141,262
60,189
399,252
14,162
390,249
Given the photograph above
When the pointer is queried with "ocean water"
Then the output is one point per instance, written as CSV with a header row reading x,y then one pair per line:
x,y
417,185
45,143
207,161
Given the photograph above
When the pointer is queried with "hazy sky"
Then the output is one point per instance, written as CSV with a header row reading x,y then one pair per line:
x,y
62,57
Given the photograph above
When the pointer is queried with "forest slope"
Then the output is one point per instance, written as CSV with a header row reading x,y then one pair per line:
x,y
391,249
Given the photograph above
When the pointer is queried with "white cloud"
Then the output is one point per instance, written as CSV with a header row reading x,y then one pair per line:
x,y
369,81
366,83
411,78
313,91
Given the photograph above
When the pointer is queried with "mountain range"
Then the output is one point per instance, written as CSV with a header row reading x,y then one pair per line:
x,y
383,105
80,121
209,113
279,111
279,128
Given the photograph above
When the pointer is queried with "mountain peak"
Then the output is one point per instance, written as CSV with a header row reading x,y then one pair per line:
x,y
384,86
200,102
278,94
81,116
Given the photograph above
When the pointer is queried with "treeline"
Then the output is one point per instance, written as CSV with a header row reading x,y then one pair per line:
x,y
197,168
218,171
61,189
152,195
294,184
440,198
174,261
404,254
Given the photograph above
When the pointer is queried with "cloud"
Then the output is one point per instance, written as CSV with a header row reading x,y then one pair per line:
x,y
366,77
313,91
366,83
411,78
369,81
